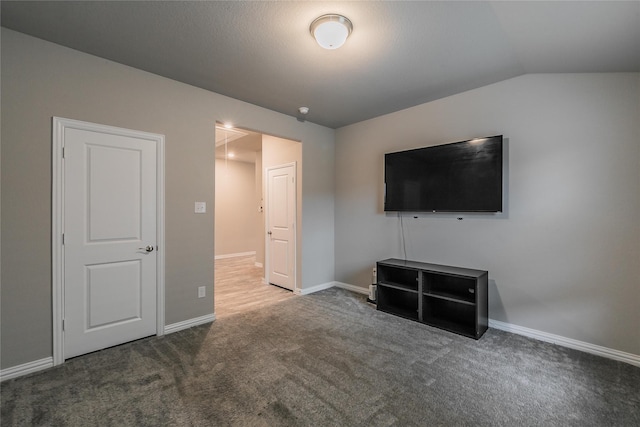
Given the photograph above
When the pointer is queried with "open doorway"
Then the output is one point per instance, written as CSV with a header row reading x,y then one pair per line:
x,y
242,250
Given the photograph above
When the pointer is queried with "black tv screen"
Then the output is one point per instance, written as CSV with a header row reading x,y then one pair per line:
x,y
463,176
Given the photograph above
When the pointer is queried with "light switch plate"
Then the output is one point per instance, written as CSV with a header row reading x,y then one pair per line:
x,y
201,207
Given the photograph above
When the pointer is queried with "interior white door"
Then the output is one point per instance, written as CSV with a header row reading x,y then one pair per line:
x,y
110,215
281,225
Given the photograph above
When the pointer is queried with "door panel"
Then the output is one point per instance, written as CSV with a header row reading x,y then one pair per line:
x,y
279,250
281,217
110,218
113,293
114,204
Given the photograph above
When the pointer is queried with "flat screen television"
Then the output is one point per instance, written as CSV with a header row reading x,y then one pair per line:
x,y
462,176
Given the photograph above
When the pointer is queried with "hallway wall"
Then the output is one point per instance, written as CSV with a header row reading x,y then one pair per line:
x,y
235,211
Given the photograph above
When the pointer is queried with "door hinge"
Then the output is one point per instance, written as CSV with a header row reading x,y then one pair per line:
x,y
63,152
63,238
63,324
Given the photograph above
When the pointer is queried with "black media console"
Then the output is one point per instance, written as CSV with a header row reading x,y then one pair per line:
x,y
451,298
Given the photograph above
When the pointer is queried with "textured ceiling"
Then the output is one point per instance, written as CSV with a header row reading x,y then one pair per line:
x,y
400,54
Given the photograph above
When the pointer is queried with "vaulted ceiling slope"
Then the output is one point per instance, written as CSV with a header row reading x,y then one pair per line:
x,y
400,54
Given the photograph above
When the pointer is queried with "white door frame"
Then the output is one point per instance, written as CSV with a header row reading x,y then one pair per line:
x,y
57,222
267,253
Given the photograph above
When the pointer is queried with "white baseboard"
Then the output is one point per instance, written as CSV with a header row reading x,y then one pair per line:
x,y
609,353
323,286
235,255
186,324
26,368
317,288
352,288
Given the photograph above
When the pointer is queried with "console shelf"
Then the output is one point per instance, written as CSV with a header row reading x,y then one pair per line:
x,y
451,298
399,286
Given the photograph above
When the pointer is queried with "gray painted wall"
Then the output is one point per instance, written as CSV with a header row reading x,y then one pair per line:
x,y
565,256
41,80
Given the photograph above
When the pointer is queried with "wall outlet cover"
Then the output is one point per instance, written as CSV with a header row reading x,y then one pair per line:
x,y
201,207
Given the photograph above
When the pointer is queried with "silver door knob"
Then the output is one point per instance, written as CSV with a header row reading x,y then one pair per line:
x,y
148,248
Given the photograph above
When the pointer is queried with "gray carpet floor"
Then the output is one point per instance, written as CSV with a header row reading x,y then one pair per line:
x,y
327,359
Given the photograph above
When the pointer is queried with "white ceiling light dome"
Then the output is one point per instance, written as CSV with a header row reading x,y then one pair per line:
x,y
331,31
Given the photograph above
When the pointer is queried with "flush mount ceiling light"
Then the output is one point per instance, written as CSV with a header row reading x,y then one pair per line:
x,y
331,31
